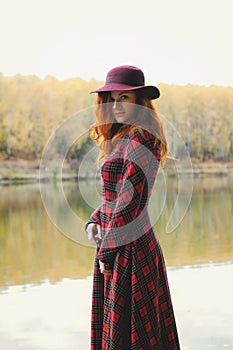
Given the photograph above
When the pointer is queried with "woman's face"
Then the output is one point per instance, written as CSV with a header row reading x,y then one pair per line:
x,y
123,105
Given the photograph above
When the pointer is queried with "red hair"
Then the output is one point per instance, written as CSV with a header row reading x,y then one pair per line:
x,y
147,118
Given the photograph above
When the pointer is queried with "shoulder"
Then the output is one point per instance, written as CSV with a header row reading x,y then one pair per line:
x,y
140,135
143,139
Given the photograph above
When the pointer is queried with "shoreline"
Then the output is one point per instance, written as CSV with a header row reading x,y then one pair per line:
x,y
23,171
170,269
173,268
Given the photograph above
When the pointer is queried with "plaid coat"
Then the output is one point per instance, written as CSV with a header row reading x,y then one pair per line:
x,y
132,308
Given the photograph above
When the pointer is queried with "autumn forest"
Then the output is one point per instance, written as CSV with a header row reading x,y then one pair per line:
x,y
31,108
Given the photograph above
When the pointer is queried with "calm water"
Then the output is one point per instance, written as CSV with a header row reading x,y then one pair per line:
x,y
32,249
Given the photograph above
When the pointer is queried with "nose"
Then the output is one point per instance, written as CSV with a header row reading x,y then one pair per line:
x,y
117,105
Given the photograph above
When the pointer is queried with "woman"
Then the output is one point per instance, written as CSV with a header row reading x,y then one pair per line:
x,y
131,304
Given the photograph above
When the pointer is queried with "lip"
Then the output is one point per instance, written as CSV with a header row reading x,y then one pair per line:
x,y
119,114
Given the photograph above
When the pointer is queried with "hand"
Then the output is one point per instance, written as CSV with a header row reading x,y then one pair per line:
x,y
103,269
94,233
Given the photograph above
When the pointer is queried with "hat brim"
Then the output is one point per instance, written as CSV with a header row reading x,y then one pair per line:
x,y
151,92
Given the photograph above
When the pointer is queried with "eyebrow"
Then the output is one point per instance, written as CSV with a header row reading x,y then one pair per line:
x,y
122,93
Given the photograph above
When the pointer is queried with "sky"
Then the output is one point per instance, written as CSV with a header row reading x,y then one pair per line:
x,y
172,41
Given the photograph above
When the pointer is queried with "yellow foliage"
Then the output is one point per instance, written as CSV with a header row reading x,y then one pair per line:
x,y
31,109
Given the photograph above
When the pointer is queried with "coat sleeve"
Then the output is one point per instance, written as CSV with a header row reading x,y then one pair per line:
x,y
139,164
95,217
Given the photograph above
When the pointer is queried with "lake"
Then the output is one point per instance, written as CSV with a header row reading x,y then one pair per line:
x,y
34,250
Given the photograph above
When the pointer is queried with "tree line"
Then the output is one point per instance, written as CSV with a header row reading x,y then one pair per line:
x,y
32,108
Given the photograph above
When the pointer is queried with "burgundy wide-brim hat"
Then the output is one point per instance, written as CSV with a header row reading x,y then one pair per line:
x,y
126,78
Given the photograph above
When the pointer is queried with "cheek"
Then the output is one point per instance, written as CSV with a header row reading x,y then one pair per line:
x,y
131,109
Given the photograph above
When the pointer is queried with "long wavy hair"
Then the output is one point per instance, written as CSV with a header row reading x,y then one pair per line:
x,y
106,131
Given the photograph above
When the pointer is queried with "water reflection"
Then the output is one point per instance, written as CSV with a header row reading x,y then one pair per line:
x,y
32,249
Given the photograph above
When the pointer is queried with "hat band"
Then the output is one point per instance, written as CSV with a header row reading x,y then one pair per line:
x,y
118,80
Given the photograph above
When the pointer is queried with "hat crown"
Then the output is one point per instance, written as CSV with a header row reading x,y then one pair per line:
x,y
127,75
128,78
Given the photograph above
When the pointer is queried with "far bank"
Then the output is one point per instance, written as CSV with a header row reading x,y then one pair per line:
x,y
23,171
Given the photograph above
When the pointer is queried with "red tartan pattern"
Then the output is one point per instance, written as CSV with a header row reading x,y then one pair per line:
x,y
132,308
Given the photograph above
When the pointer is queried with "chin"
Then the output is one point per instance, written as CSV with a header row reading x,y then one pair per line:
x,y
122,120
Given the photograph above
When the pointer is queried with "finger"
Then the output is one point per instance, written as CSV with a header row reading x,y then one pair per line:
x,y
106,272
94,230
92,240
97,241
99,232
91,237
103,270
